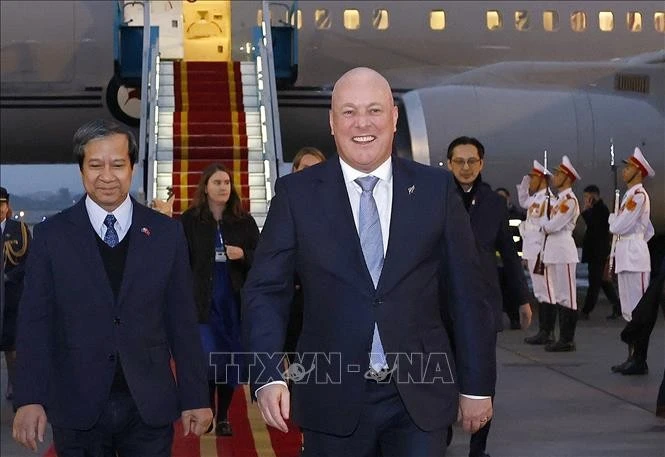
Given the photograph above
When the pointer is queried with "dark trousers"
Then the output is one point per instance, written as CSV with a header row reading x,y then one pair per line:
x,y
595,283
385,429
223,397
120,432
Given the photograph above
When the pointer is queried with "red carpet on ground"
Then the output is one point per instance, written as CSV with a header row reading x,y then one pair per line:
x,y
251,437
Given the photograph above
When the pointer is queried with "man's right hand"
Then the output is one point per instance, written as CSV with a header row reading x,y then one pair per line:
x,y
274,403
29,425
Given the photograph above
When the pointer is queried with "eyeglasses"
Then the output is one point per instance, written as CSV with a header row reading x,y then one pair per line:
x,y
460,162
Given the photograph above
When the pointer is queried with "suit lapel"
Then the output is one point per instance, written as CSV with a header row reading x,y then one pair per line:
x,y
337,208
138,251
402,223
85,239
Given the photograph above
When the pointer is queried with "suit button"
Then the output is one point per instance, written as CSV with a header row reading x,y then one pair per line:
x,y
111,357
116,321
378,302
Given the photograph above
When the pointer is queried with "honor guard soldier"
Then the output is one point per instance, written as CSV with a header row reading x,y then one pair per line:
x,y
560,253
632,228
534,196
16,238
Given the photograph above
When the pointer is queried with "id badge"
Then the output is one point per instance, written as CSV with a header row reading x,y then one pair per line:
x,y
220,255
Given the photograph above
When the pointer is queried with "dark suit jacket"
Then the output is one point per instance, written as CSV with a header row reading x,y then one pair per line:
x,y
310,231
15,245
489,220
597,238
201,243
70,327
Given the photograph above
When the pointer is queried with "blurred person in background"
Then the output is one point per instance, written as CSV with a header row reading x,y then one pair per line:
x,y
16,240
221,237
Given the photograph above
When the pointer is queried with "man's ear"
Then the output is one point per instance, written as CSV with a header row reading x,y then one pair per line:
x,y
330,120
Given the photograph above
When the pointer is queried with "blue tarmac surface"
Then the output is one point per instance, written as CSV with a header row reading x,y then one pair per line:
x,y
550,405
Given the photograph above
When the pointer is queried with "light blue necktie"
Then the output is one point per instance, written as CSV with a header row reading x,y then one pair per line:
x,y
111,236
371,240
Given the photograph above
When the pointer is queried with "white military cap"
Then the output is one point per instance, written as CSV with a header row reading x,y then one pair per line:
x,y
640,162
539,169
567,168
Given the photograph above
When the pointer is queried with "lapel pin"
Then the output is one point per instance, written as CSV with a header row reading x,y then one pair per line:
x,y
145,231
411,189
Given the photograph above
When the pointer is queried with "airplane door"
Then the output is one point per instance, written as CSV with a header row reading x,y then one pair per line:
x,y
207,30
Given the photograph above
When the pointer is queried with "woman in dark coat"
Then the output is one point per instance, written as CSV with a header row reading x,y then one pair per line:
x,y
221,237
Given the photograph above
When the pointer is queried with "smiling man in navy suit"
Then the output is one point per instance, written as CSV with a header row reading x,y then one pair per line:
x,y
107,304
383,248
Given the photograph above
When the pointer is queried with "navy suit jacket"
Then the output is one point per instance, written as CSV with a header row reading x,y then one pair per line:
x,y
70,326
431,255
489,220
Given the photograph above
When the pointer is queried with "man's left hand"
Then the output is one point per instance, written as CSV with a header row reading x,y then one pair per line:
x,y
196,421
474,414
525,316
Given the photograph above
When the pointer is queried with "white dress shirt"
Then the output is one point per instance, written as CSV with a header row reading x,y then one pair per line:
x,y
383,194
123,217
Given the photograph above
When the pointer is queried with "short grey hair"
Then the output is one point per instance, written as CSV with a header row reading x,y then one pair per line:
x,y
101,128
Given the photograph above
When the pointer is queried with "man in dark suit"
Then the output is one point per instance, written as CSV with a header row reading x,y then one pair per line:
x,y
383,248
108,302
595,250
15,244
489,221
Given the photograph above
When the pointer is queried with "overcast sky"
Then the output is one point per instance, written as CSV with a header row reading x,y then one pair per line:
x,y
27,179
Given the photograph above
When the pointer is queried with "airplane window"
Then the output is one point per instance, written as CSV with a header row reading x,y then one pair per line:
x,y
322,19
578,21
296,20
634,21
522,20
437,20
380,19
550,21
606,21
659,21
351,19
494,21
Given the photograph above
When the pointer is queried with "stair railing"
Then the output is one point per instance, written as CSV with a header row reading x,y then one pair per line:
x,y
270,128
148,130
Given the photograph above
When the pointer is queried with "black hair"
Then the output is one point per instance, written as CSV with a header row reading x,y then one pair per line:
x,y
592,189
466,140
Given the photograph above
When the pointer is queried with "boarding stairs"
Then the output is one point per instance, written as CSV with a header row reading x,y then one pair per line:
x,y
209,112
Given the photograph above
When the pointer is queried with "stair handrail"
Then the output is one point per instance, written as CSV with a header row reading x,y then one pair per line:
x,y
272,138
148,128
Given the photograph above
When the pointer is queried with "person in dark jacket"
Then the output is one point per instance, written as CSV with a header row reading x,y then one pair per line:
x,y
489,222
595,251
15,238
221,237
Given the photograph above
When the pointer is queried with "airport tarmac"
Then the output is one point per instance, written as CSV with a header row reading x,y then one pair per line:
x,y
549,404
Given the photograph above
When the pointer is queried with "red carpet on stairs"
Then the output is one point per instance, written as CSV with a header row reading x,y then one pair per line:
x,y
208,126
251,437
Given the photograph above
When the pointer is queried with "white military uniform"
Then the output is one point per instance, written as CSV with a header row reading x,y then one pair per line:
x,y
560,253
533,235
631,255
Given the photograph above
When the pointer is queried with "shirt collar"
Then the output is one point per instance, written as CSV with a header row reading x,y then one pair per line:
x,y
384,171
97,214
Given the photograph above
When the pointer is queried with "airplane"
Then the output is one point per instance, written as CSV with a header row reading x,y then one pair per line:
x,y
523,77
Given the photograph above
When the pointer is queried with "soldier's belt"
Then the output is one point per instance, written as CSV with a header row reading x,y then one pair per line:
x,y
632,236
